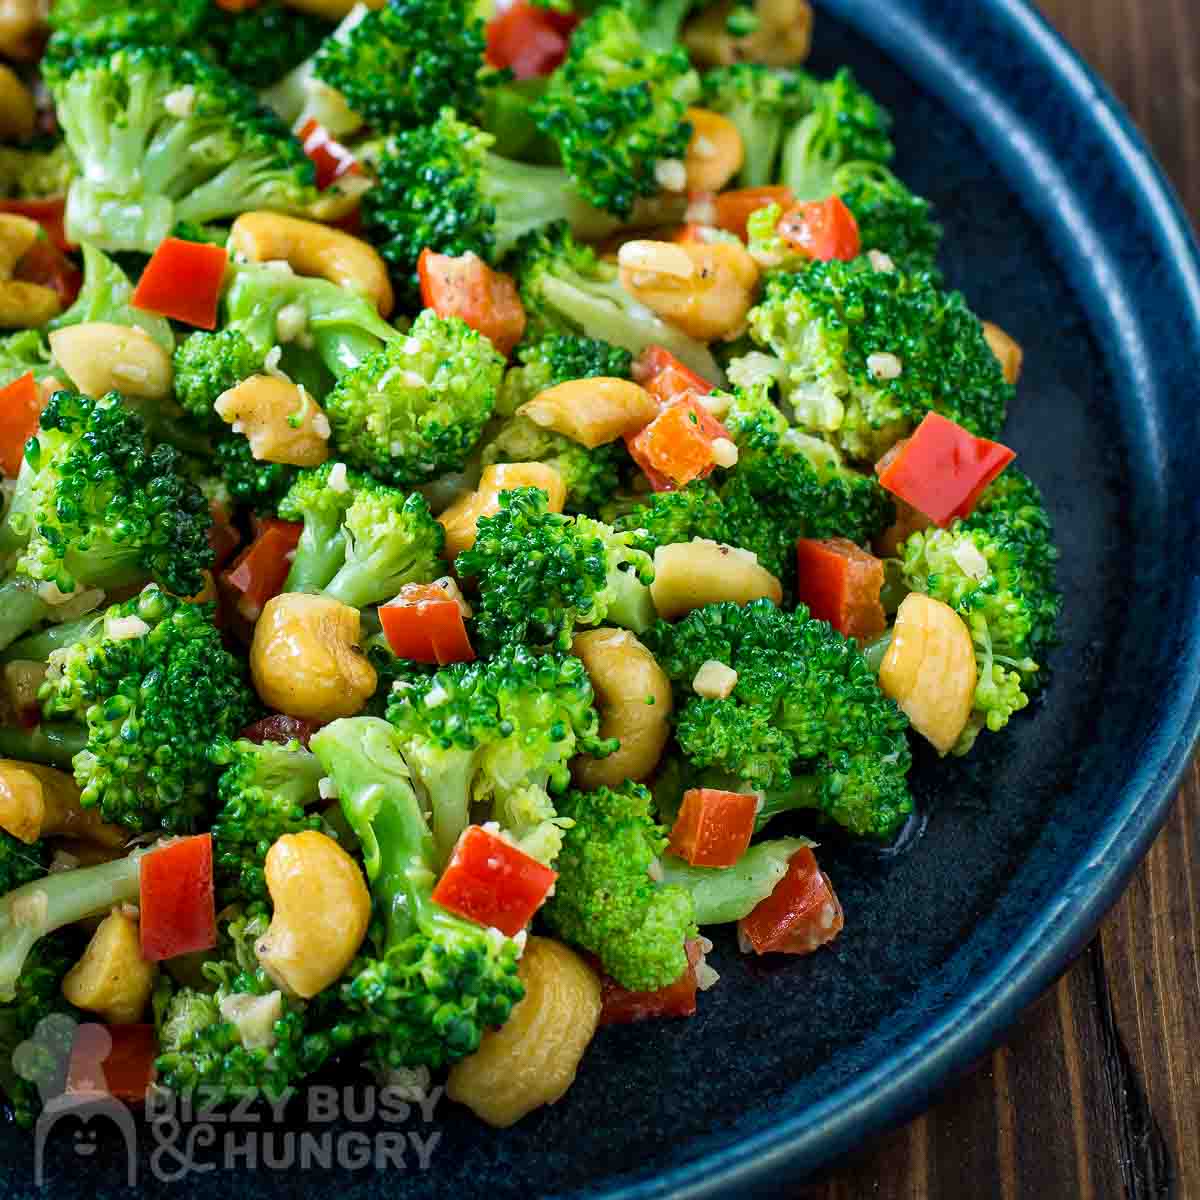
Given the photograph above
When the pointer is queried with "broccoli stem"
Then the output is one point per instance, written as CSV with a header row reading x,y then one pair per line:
x,y
53,744
632,606
875,651
21,608
39,908
802,792
729,895
38,647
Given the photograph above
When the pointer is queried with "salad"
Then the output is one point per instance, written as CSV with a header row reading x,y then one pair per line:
x,y
485,492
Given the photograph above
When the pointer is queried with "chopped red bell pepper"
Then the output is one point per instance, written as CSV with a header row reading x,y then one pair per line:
x,y
465,286
490,881
20,408
620,1006
183,280
665,377
331,159
714,827
280,728
260,570
112,1060
528,40
223,538
46,265
799,916
734,209
822,230
677,446
841,584
49,212
942,470
178,908
425,624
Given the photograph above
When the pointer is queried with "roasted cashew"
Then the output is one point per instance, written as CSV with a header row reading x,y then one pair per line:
x,y
38,801
689,575
715,154
633,695
782,38
1006,349
592,411
282,422
305,660
461,519
18,113
22,305
22,24
311,248
112,978
322,909
99,357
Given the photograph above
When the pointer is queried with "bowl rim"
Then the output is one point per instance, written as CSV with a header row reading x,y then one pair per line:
x,y
906,1081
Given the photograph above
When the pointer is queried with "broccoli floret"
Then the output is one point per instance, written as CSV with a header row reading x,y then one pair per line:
x,y
162,136
416,408
28,173
438,980
566,289
257,484
119,22
559,358
890,217
617,109
541,573
442,186
132,704
862,355
402,64
207,364
261,44
664,518
844,125
321,506
264,791
604,899
764,104
996,570
498,734
806,716
34,1051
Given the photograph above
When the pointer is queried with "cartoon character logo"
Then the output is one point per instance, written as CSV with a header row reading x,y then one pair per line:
x,y
60,1046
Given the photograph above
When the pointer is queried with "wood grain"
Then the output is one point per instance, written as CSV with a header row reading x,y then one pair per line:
x,y
1096,1095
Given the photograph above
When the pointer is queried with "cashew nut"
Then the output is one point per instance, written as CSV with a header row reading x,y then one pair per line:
x,y
1006,349
22,24
633,695
322,909
689,575
703,288
310,248
532,1060
592,411
461,519
112,978
38,801
305,660
17,236
22,305
99,357
782,38
282,422
715,154
18,113
929,669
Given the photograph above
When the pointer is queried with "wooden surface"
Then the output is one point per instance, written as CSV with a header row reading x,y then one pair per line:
x,y
1097,1093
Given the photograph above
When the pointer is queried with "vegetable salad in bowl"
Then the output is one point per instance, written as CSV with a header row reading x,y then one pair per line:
x,y
486,492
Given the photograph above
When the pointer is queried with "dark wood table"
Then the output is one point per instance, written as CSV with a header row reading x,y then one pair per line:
x,y
1097,1092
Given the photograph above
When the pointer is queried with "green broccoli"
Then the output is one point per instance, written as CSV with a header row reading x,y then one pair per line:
x,y
207,364
438,980
403,63
319,499
844,125
806,720
257,484
996,570
559,358
264,791
131,701
162,136
110,23
566,289
262,43
416,408
541,573
617,109
498,734
861,356
29,172
604,899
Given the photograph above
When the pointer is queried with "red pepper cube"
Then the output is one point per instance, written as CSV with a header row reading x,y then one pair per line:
x,y
841,583
465,286
665,377
178,909
260,571
331,159
425,624
529,40
799,916
735,208
714,827
20,410
677,446
490,881
183,281
942,470
620,1006
112,1060
823,230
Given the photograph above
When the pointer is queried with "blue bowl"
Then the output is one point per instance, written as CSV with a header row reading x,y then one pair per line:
x,y
1062,230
